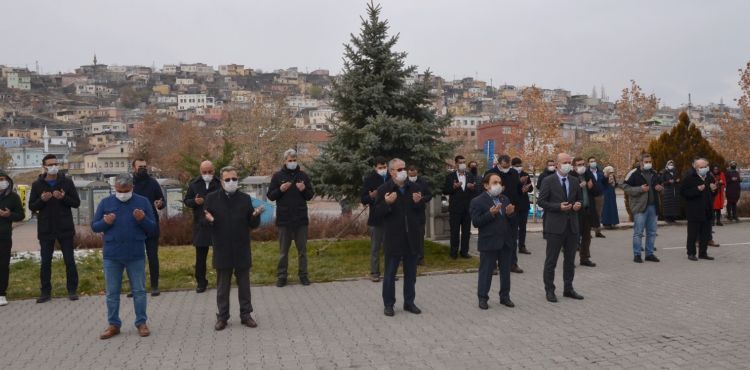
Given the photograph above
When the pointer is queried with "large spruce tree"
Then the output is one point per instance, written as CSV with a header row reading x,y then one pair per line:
x,y
682,144
378,114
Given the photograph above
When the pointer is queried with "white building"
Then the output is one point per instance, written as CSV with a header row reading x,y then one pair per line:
x,y
105,128
19,80
197,68
470,122
170,69
300,101
92,90
184,81
320,118
193,101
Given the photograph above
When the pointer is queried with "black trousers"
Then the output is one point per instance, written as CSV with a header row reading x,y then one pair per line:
x,y
389,278
487,262
420,252
5,247
731,210
460,223
585,224
223,287
201,255
568,242
71,272
523,219
700,232
152,253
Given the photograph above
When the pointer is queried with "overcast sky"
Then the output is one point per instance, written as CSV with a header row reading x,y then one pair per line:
x,y
671,48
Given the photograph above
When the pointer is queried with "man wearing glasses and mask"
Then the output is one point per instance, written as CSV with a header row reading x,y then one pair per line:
x,y
206,183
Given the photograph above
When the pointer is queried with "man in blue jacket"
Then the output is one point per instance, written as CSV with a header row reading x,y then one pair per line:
x,y
127,220
491,212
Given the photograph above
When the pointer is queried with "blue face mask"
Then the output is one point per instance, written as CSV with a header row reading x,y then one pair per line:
x,y
703,171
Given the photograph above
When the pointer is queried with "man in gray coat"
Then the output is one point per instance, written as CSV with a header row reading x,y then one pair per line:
x,y
561,201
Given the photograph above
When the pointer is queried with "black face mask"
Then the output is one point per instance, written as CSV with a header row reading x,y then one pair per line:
x,y
474,170
733,168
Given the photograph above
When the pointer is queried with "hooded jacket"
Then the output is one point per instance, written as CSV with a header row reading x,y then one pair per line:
x,y
10,200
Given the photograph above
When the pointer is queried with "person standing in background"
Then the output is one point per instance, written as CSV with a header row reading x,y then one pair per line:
x,y
733,191
11,210
721,181
600,181
368,196
670,201
206,183
147,186
460,186
424,186
610,215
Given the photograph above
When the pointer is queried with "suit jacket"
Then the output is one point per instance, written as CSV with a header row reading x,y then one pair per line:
x,y
201,232
230,231
556,221
494,230
460,198
400,219
698,203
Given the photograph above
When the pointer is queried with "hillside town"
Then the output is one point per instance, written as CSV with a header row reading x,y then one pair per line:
x,y
87,118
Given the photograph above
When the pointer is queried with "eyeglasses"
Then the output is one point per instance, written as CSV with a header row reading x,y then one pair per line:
x,y
207,172
230,179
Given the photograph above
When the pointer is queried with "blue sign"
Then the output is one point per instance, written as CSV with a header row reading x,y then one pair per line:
x,y
489,152
267,217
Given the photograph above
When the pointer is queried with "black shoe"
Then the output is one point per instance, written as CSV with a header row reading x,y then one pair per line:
x,y
220,325
43,299
600,235
551,297
412,308
588,263
304,280
483,304
388,311
652,258
692,258
516,269
507,302
73,296
719,224
638,259
465,256
572,294
201,288
706,257
281,283
524,250
155,292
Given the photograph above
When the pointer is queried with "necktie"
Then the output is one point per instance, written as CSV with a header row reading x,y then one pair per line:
x,y
565,188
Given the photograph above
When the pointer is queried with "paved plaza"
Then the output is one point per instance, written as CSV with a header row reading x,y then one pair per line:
x,y
673,314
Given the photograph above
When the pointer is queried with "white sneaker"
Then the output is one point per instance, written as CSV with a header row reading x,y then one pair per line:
x,y
3,301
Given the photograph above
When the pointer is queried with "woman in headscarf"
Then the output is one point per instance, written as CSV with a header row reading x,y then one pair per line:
x,y
610,217
670,199
721,184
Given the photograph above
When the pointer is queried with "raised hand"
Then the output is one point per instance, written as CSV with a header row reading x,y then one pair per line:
x,y
301,186
701,187
258,211
390,198
373,193
46,196
209,217
644,188
416,197
565,206
5,212
456,184
58,194
139,214
285,186
199,199
577,206
109,218
510,209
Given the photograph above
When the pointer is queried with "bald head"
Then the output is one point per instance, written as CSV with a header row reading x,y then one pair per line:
x,y
563,158
207,168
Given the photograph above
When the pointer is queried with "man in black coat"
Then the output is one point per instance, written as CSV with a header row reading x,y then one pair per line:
x,y
51,199
368,196
147,186
733,191
561,199
601,182
523,203
11,210
291,189
587,215
697,189
512,190
549,170
426,198
460,186
399,203
491,213
194,199
230,215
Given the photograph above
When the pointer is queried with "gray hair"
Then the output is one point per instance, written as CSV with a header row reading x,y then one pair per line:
x,y
392,163
227,169
290,153
124,179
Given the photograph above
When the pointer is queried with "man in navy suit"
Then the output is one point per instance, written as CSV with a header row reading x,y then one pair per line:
x,y
461,187
491,212
561,201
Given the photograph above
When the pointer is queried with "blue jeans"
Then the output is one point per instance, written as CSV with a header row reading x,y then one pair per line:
x,y
136,270
645,220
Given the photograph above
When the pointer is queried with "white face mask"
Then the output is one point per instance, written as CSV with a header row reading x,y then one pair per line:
x,y
703,171
551,168
413,178
231,186
124,197
593,164
207,178
581,170
291,165
495,190
670,167
401,176
382,172
647,166
4,184
53,170
462,167
504,170
566,168
518,169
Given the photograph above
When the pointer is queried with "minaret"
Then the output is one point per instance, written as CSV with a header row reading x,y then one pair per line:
x,y
45,137
593,92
